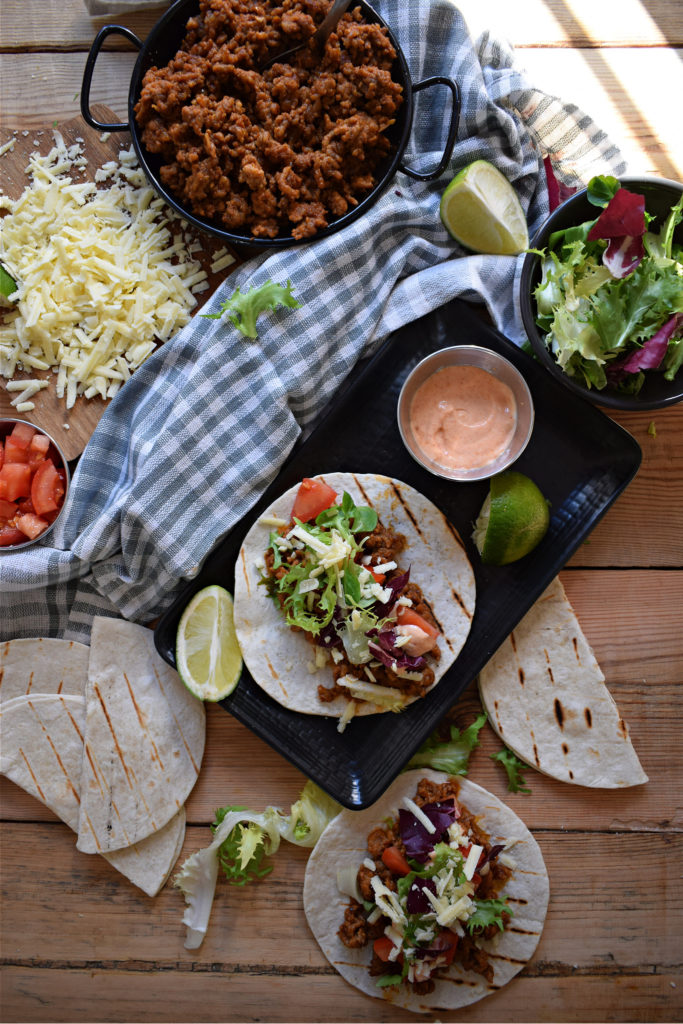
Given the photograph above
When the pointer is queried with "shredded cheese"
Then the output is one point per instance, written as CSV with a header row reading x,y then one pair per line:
x,y
101,278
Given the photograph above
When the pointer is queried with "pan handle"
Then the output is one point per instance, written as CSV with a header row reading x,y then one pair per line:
x,y
88,73
452,128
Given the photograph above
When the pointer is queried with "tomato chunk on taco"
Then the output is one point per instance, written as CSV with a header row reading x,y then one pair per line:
x,y
353,595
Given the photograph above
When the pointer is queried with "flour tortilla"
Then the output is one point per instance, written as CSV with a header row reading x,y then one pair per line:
x,y
344,841
41,748
144,739
43,665
546,698
278,658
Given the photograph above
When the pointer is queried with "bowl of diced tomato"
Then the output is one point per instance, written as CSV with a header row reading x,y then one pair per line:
x,y
34,479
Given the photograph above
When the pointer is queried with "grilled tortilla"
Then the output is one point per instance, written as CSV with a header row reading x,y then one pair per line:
x,y
42,723
280,659
546,698
344,842
144,739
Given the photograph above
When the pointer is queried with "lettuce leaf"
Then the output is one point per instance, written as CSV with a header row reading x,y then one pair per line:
x,y
241,838
243,310
513,768
453,755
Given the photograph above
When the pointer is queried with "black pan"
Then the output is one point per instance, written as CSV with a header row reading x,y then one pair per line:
x,y
162,44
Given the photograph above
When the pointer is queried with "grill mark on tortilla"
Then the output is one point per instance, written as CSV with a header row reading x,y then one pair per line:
x,y
589,717
178,726
30,684
512,642
58,758
510,959
520,931
94,770
93,833
141,796
622,728
30,771
571,774
456,536
576,649
113,734
516,899
75,725
408,512
141,720
559,713
565,749
520,674
459,600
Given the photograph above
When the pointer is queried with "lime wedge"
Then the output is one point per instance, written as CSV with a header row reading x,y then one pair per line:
x,y
513,519
481,210
208,656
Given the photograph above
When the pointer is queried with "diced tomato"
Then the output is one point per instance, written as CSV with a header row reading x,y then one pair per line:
x,y
7,509
40,444
25,505
46,488
378,577
312,498
395,861
383,947
22,434
476,880
15,481
446,943
10,535
408,617
31,525
15,452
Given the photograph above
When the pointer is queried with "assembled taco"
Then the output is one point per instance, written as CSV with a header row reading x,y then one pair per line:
x,y
353,595
432,898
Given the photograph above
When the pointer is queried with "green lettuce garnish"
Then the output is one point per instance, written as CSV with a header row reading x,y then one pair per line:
x,y
513,768
488,912
243,310
453,755
241,840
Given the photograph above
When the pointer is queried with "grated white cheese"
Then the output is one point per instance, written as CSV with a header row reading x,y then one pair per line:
x,y
411,806
101,279
8,147
472,861
349,712
369,864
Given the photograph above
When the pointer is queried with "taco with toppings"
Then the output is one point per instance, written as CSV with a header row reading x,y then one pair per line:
x,y
432,898
353,596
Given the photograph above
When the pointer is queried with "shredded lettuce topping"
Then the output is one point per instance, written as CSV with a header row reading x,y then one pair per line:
x,y
513,768
609,288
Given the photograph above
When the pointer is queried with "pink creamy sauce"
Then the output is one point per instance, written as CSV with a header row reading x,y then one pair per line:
x,y
463,417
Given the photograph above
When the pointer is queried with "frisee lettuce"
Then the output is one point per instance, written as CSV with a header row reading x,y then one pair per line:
x,y
453,755
513,768
241,839
242,310
488,912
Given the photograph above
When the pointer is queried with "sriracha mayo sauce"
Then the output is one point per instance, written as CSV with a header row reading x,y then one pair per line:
x,y
463,417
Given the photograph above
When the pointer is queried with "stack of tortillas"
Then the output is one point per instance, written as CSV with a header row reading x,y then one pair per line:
x,y
546,697
108,738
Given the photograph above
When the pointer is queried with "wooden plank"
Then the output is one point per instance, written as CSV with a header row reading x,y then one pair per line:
x,y
643,665
630,535
620,89
34,24
56,994
239,769
605,914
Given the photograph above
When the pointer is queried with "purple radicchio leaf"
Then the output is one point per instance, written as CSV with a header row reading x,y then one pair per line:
x,y
397,584
622,255
416,901
650,355
490,856
418,842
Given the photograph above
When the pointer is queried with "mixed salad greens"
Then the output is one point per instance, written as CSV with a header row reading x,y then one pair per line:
x,y
611,295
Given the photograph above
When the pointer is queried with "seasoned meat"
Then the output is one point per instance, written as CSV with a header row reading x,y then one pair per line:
x,y
283,151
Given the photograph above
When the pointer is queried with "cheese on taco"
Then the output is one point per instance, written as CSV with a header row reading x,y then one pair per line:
x,y
432,898
353,595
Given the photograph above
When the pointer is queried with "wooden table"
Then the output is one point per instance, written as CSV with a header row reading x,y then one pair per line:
x,y
79,943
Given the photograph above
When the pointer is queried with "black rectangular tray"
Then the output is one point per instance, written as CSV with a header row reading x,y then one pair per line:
x,y
579,458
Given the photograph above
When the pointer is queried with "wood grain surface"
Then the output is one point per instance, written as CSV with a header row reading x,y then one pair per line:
x,y
79,943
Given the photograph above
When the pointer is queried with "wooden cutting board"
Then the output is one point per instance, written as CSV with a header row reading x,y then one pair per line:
x,y
72,428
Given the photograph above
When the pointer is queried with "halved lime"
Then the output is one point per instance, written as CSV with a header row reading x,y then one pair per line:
x,y
513,519
481,210
208,656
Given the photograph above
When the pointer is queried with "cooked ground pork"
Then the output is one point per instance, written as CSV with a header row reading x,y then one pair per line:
x,y
279,152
